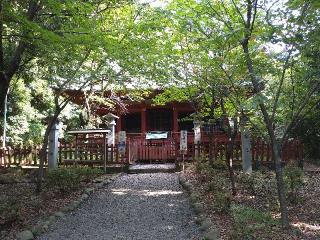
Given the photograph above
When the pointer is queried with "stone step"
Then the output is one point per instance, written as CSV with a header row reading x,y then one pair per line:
x,y
152,168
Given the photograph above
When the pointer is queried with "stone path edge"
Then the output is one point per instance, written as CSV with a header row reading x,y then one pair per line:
x,y
38,229
209,229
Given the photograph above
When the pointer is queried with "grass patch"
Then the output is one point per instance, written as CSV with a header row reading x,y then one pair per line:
x,y
249,223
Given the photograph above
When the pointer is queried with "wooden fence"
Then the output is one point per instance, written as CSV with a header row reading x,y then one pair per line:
x,y
92,153
160,150
19,156
261,151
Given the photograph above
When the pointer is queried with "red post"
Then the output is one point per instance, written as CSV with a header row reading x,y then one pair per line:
x,y
143,121
175,120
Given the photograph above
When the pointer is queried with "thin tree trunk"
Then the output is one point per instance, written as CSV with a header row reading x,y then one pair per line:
x,y
229,158
43,158
211,153
229,150
275,147
4,86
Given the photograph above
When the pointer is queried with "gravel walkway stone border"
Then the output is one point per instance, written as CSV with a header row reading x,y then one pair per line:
x,y
135,206
209,229
43,226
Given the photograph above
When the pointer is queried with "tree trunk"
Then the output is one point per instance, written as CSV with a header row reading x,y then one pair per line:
x,y
229,158
43,158
211,145
280,183
4,86
269,125
232,134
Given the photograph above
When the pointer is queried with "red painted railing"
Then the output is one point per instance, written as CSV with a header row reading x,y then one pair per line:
x,y
19,156
137,148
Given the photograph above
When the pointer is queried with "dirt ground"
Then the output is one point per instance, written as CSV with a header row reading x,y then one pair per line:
x,y
21,207
304,216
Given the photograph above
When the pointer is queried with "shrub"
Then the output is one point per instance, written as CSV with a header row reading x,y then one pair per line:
x,y
9,211
220,164
12,175
201,164
217,181
63,179
87,174
293,177
66,179
249,221
263,186
222,201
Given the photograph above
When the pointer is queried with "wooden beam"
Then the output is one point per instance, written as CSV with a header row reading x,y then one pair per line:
x,y
175,119
143,120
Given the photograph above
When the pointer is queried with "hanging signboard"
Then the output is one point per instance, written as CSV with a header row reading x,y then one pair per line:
x,y
122,142
156,135
183,140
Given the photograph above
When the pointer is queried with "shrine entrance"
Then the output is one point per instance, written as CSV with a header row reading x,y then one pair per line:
x,y
156,147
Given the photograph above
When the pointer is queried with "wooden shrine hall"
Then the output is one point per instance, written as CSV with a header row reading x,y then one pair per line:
x,y
141,117
153,132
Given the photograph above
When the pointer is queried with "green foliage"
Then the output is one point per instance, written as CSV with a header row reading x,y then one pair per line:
x,y
249,221
222,201
12,175
293,177
202,165
62,44
87,174
67,179
261,185
216,182
63,179
9,211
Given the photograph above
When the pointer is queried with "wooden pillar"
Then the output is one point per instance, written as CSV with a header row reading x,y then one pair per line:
x,y
143,120
175,120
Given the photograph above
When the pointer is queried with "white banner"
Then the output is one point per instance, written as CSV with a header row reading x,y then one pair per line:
x,y
183,140
122,142
197,133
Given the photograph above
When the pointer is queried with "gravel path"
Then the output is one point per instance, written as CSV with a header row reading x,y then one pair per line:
x,y
137,206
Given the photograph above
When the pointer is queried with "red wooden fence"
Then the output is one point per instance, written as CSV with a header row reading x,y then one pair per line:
x,y
19,156
91,152
153,150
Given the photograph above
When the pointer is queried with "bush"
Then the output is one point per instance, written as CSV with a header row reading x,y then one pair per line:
x,y
9,212
222,201
293,177
217,181
12,175
201,165
248,222
263,186
66,179
220,164
63,179
87,174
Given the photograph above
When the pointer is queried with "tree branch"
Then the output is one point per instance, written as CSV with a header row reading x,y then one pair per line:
x,y
239,12
15,61
284,69
298,113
